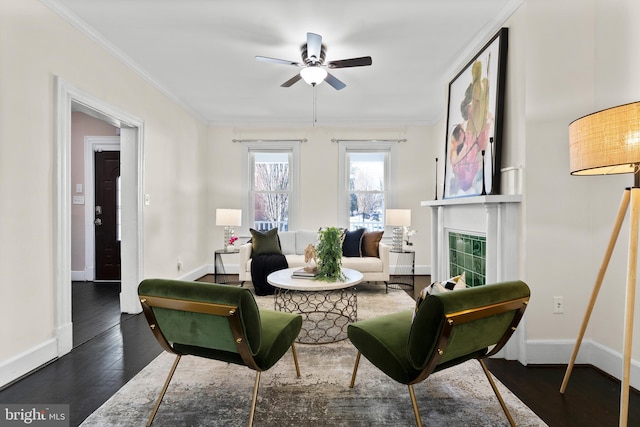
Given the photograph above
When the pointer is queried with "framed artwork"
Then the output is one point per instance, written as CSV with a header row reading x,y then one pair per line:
x,y
474,123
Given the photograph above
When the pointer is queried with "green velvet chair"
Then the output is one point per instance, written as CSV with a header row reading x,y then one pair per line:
x,y
217,322
448,329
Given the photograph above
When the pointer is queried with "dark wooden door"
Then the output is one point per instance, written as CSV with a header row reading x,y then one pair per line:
x,y
107,215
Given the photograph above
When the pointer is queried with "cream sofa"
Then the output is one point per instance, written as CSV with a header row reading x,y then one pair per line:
x,y
293,244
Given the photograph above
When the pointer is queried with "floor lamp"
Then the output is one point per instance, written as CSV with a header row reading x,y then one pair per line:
x,y
604,143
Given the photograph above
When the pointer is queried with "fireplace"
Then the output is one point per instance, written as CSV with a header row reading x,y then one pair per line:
x,y
480,236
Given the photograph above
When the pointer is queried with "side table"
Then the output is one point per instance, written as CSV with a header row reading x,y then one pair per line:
x,y
404,271
219,273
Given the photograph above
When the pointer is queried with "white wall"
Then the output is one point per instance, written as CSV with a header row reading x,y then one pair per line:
x,y
36,45
568,59
319,173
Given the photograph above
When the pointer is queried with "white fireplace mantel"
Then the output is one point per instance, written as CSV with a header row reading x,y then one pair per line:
x,y
494,216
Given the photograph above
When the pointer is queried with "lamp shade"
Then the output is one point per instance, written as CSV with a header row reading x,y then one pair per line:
x,y
313,74
229,217
398,217
606,142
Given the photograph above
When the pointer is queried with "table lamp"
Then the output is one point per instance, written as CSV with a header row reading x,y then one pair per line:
x,y
605,143
398,219
228,218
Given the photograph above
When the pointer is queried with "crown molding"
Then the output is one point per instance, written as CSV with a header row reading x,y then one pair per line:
x,y
67,14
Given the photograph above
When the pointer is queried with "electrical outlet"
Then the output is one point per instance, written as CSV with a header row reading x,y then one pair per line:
x,y
179,264
558,305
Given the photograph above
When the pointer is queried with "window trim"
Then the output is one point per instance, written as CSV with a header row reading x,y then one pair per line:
x,y
292,147
391,192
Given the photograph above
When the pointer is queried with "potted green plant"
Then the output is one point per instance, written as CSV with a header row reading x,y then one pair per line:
x,y
329,254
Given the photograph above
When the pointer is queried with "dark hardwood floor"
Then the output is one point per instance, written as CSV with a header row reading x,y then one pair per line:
x,y
110,349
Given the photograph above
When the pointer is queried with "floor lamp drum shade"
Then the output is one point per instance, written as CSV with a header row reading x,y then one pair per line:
x,y
606,142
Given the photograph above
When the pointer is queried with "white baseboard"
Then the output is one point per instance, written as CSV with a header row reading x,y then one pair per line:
x,y
22,364
592,353
78,276
198,272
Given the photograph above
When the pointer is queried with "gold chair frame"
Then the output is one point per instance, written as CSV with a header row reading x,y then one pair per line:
x,y
451,321
223,310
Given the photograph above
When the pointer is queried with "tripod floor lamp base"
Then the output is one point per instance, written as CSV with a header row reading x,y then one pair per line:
x,y
631,197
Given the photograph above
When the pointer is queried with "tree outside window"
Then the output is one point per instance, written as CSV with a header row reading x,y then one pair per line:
x,y
271,190
367,184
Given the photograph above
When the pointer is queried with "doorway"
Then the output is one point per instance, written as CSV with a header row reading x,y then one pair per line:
x,y
68,99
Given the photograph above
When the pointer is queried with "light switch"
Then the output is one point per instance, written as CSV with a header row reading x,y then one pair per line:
x,y
78,188
78,200
147,200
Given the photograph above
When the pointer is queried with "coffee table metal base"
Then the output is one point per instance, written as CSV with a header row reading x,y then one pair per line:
x,y
325,314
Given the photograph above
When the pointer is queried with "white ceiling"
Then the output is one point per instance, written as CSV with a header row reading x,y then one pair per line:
x,y
201,53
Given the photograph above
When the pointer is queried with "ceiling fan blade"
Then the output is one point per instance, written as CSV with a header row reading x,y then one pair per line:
x,y
334,82
314,45
277,61
291,81
353,62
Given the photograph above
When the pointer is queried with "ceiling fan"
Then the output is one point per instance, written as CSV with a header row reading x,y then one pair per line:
x,y
314,69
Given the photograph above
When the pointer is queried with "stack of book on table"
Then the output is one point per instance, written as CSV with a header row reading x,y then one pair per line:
x,y
304,273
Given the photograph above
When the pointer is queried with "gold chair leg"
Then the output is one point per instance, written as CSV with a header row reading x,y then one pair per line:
x,y
497,392
254,399
355,370
164,390
414,403
295,359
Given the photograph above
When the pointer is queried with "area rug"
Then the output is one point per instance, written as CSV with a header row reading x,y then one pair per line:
x,y
211,393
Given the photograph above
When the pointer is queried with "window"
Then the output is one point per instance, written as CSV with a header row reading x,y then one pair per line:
x,y
271,182
368,186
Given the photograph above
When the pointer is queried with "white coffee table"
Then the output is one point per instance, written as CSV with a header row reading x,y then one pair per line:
x,y
327,308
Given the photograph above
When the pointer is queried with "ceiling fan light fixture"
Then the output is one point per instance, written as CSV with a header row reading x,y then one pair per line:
x,y
313,75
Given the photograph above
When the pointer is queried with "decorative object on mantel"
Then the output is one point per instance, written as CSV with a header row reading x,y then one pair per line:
x,y
398,219
229,218
474,122
329,255
605,143
436,198
484,187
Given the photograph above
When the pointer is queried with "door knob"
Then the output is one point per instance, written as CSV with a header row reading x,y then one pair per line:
x,y
98,221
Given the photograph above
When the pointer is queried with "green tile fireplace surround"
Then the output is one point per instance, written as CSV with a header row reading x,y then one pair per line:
x,y
467,254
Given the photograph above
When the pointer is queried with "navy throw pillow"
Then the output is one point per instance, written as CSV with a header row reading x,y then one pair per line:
x,y
352,245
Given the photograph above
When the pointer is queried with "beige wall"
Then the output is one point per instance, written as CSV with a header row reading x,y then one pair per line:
x,y
36,46
319,172
568,59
